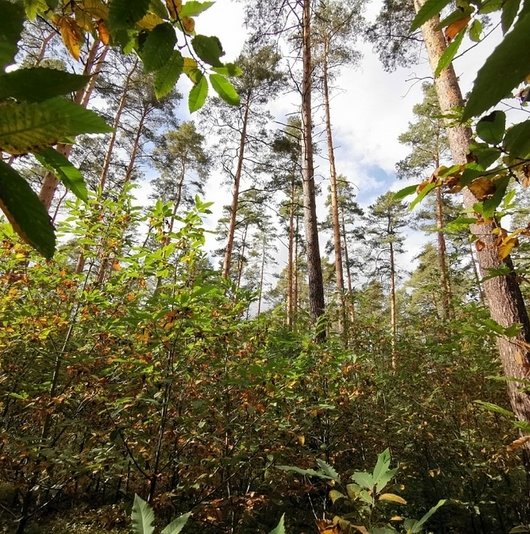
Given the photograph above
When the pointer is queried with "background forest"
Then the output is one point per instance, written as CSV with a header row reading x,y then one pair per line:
x,y
303,374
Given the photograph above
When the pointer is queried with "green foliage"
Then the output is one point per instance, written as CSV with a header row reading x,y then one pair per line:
x,y
143,517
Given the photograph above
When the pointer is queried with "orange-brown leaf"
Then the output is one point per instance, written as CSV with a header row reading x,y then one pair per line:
x,y
479,245
103,32
454,29
188,24
482,188
173,6
518,443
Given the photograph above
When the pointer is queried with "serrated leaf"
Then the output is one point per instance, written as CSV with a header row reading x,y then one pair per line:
x,y
328,470
69,175
177,524
25,127
39,83
72,36
224,89
304,472
382,465
142,516
209,49
364,479
167,77
25,211
491,127
504,69
428,10
123,14
495,408
392,497
34,7
11,24
198,94
158,47
449,53
192,9
280,527
517,140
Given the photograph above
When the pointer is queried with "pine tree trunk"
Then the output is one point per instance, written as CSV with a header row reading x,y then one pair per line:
x,y
50,182
393,306
314,267
335,223
503,295
442,257
262,272
290,261
227,261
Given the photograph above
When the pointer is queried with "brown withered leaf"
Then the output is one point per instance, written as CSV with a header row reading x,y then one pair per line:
x,y
482,187
72,36
173,6
479,245
518,443
188,24
454,29
103,32
327,527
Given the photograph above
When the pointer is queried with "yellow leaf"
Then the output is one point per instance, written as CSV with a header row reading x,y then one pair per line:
x,y
173,6
301,439
72,36
392,497
116,266
506,246
189,65
396,518
149,21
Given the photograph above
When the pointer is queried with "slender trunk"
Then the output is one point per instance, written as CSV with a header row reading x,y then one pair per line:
x,y
314,267
503,294
227,261
290,260
442,257
351,305
393,307
335,223
241,261
115,124
262,272
481,296
50,182
295,272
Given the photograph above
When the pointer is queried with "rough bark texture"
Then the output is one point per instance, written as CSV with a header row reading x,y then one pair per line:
x,y
314,267
227,261
503,295
335,222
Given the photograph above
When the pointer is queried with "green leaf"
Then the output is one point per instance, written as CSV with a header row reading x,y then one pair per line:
x,y
39,83
157,48
490,407
428,10
280,527
224,89
328,470
491,204
34,7
303,472
364,479
209,49
449,53
475,30
124,14
69,175
421,195
418,526
142,516
177,525
27,127
11,24
405,192
509,12
167,76
504,69
192,9
25,211
158,8
491,127
198,94
458,14
517,140
228,69
335,496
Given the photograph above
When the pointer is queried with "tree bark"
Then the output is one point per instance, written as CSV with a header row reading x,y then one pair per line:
x,y
314,267
290,260
227,261
442,257
393,307
503,295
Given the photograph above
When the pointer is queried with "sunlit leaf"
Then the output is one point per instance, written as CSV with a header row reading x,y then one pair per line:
x,y
392,497
192,9
198,94
280,527
177,525
209,49
25,211
449,53
167,76
224,89
142,516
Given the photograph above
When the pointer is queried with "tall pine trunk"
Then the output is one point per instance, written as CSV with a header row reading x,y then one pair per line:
x,y
314,267
503,295
442,257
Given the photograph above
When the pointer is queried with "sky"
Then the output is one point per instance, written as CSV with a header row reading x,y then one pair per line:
x,y
370,108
